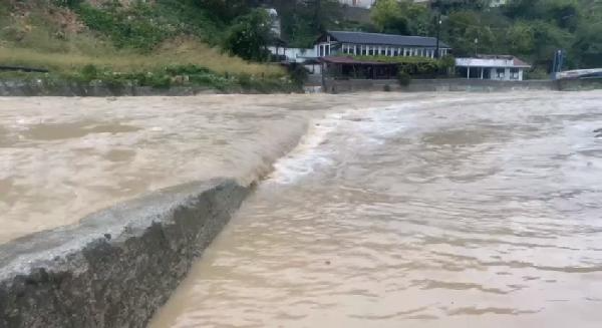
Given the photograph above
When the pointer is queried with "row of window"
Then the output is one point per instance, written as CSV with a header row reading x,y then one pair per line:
x,y
368,50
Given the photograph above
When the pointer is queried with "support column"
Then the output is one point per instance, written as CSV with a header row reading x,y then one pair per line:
x,y
482,72
468,72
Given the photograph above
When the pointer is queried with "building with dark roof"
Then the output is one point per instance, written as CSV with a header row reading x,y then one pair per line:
x,y
334,43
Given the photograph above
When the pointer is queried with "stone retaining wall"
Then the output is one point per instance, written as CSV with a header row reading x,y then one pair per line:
x,y
434,85
463,85
116,267
67,89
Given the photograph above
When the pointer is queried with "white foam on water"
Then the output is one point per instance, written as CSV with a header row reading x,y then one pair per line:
x,y
369,127
308,155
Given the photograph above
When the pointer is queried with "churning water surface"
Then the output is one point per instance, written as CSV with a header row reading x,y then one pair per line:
x,y
449,210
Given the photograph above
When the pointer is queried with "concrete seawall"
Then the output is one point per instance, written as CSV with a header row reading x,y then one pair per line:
x,y
116,267
462,85
73,89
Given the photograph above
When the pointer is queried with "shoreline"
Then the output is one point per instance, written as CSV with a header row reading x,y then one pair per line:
x,y
41,88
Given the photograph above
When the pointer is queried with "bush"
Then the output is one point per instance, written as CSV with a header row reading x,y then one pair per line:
x,y
68,3
404,78
90,72
537,74
422,66
298,74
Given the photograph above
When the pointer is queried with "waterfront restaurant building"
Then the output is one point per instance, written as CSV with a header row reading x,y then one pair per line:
x,y
491,67
339,43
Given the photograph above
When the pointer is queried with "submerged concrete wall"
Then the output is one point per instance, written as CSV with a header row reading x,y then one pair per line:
x,y
98,89
115,267
72,89
434,85
463,85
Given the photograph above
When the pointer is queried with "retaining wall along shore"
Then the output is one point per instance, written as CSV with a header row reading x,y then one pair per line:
x,y
462,85
116,267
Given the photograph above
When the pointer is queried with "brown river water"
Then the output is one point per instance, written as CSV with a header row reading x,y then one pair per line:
x,y
419,210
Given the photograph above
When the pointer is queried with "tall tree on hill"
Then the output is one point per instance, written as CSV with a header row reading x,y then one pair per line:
x,y
250,35
225,10
401,17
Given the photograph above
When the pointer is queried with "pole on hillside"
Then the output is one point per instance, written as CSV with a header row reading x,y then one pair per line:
x,y
437,50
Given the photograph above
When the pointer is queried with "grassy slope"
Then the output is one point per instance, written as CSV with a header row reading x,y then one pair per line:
x,y
56,38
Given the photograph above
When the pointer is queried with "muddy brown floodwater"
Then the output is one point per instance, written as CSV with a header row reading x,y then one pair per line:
x,y
63,158
395,210
449,210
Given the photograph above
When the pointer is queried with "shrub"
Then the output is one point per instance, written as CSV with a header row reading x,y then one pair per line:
x,y
298,74
68,3
537,74
404,78
89,72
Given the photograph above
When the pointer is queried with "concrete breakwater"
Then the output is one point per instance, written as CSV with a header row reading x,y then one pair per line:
x,y
460,85
37,88
63,159
115,267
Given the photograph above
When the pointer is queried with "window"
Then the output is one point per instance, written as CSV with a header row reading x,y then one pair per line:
x,y
514,73
500,73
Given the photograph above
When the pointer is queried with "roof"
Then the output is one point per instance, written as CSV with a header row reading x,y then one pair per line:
x,y
492,61
580,73
385,39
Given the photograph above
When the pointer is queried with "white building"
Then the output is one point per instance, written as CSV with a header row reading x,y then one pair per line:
x,y
497,3
358,3
370,3
294,55
344,43
492,67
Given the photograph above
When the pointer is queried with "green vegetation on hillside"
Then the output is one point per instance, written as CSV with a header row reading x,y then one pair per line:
x,y
530,29
161,43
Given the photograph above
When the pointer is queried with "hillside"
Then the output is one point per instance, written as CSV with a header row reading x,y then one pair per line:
x,y
156,43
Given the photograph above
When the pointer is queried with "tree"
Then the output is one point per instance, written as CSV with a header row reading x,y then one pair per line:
x,y
225,10
401,17
588,45
387,15
468,34
304,20
521,38
250,35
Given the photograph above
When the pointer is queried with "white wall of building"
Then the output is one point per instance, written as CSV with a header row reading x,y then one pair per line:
x,y
500,69
358,3
297,55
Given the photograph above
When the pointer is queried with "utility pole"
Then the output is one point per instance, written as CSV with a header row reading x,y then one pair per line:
x,y
437,50
317,14
558,63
